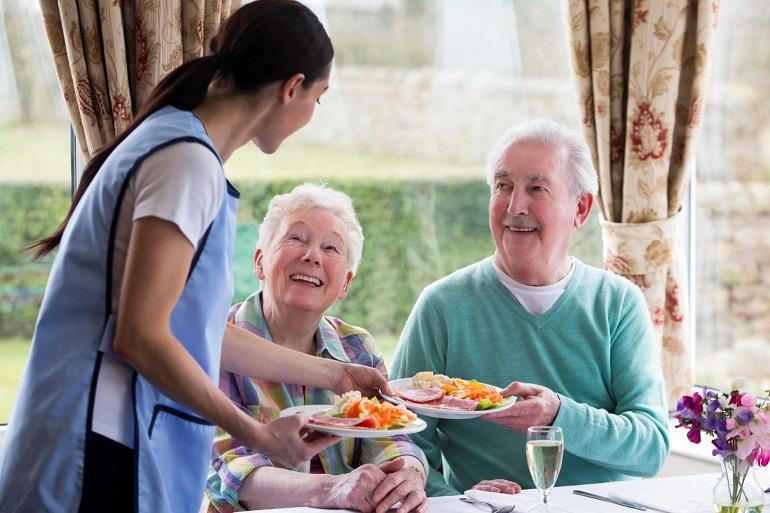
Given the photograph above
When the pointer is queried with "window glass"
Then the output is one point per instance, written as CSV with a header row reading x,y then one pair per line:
x,y
420,91
732,249
34,179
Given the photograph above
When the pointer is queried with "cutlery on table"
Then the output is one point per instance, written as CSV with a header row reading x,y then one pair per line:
x,y
493,508
619,502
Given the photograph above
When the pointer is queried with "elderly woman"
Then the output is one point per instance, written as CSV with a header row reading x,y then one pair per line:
x,y
309,247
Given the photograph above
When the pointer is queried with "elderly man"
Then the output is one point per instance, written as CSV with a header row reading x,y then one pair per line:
x,y
575,343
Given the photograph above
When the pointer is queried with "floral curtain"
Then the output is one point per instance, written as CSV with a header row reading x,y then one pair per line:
x,y
640,69
109,54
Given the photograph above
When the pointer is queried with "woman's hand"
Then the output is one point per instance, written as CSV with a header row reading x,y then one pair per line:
x,y
368,380
498,486
403,484
287,441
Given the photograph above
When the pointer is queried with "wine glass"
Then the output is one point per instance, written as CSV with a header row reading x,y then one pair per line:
x,y
545,448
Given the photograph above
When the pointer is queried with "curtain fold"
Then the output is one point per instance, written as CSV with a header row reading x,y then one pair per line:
x,y
641,69
109,54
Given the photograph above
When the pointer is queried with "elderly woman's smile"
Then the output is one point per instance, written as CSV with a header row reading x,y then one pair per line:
x,y
307,279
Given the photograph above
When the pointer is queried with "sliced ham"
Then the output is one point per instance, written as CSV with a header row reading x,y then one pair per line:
x,y
447,402
455,403
326,420
420,395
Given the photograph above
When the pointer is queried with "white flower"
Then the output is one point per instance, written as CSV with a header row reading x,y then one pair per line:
x,y
740,384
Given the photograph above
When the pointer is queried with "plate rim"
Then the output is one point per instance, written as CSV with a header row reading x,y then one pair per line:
x,y
351,432
444,413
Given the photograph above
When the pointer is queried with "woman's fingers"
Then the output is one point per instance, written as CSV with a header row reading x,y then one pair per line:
x,y
289,442
369,381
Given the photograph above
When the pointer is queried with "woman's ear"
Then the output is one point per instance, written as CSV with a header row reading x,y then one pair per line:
x,y
344,290
259,271
290,87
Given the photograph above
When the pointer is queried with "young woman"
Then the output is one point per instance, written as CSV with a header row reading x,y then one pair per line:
x,y
116,407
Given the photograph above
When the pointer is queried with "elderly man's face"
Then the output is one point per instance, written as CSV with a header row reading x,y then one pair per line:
x,y
532,214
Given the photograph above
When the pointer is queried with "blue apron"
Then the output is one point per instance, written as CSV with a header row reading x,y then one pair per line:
x,y
41,466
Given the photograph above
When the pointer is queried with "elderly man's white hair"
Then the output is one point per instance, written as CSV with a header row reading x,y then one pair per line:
x,y
313,195
550,134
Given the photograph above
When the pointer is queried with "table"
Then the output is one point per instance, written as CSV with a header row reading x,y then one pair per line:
x,y
684,494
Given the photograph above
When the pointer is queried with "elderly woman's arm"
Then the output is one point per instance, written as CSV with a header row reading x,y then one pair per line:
x,y
247,354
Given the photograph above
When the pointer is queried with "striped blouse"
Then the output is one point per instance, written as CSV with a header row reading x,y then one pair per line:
x,y
232,462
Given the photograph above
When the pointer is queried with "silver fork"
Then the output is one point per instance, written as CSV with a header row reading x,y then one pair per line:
x,y
493,508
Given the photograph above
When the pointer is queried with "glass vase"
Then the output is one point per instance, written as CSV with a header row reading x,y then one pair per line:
x,y
737,490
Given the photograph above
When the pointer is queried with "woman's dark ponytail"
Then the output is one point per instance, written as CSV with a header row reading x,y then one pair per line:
x,y
262,42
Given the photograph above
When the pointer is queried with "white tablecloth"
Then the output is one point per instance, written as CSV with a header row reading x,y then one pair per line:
x,y
683,494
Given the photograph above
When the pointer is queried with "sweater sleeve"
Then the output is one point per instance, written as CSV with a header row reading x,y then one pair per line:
x,y
633,438
423,347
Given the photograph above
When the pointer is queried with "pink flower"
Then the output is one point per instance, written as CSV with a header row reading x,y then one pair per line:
x,y
748,400
744,448
763,457
731,423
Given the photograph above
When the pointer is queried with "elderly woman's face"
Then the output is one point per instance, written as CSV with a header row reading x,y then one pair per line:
x,y
305,266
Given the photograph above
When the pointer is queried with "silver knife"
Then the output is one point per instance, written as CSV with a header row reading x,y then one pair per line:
x,y
619,502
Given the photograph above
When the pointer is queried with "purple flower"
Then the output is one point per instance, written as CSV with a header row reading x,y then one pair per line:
x,y
721,447
693,435
712,422
689,407
744,417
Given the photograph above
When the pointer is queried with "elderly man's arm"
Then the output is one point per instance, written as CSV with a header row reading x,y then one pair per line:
x,y
633,438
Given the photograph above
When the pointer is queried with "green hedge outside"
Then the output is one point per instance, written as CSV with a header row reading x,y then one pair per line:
x,y
415,232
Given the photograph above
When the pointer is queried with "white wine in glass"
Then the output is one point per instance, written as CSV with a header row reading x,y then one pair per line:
x,y
545,449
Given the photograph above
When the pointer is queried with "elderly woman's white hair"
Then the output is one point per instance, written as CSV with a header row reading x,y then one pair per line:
x,y
314,195
548,133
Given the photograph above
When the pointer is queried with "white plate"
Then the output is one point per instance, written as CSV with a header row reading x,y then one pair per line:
x,y
352,432
442,413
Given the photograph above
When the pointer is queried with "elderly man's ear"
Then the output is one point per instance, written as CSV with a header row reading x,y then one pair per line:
x,y
259,272
584,203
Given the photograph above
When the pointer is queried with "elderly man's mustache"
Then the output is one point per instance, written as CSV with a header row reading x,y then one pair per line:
x,y
520,223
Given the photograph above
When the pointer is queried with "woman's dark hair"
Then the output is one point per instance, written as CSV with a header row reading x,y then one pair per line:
x,y
262,42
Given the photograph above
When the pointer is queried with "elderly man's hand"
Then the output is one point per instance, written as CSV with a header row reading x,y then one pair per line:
x,y
538,406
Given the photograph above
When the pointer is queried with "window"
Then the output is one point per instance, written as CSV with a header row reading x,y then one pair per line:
x,y
732,195
34,179
420,91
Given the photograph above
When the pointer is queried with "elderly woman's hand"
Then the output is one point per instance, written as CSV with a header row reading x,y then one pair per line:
x,y
354,490
498,486
404,484
368,380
